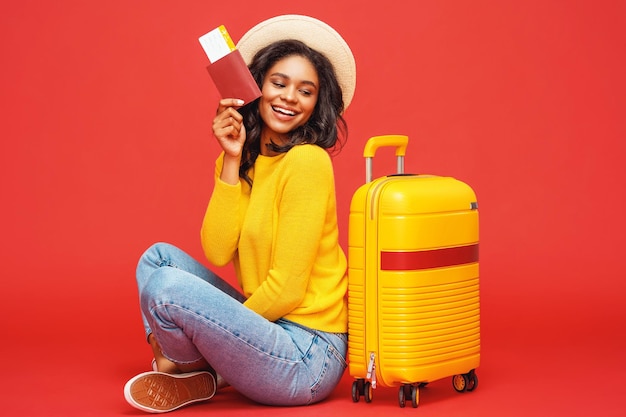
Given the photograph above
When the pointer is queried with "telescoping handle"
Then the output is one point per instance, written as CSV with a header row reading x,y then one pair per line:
x,y
398,141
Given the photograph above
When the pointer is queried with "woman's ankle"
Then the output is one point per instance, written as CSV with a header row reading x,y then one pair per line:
x,y
162,363
167,366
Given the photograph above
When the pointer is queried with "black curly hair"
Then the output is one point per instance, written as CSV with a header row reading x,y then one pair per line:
x,y
326,127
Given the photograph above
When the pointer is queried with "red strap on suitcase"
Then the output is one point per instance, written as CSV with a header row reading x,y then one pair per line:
x,y
436,258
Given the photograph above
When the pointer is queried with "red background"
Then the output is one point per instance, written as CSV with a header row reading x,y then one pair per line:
x,y
105,125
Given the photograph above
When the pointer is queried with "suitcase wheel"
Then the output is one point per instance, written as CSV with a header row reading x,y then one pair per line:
x,y
465,382
406,392
357,387
364,388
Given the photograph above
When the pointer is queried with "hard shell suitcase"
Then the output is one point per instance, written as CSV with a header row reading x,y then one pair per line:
x,y
413,293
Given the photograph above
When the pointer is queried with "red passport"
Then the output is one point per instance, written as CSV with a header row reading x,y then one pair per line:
x,y
233,79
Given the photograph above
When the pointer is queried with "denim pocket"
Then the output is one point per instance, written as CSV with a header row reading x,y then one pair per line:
x,y
302,337
323,356
327,369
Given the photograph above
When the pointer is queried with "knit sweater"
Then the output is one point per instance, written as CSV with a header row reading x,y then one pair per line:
x,y
282,238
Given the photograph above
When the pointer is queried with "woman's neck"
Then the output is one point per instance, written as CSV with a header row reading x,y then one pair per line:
x,y
271,137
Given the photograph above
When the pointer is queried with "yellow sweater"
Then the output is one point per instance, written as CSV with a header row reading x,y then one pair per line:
x,y
282,238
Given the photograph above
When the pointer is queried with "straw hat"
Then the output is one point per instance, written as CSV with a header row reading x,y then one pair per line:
x,y
316,34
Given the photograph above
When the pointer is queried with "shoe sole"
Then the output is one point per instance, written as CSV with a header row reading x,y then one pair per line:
x,y
158,392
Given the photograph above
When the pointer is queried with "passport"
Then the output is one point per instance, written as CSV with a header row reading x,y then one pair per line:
x,y
227,69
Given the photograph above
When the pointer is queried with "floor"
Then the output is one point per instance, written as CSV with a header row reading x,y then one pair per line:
x,y
536,359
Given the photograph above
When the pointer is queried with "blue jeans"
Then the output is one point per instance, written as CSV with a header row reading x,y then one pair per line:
x,y
195,314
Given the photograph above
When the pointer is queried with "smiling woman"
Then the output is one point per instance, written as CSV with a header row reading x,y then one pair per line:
x,y
289,98
273,176
302,101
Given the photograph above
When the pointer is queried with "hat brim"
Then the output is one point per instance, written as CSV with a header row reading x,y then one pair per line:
x,y
313,32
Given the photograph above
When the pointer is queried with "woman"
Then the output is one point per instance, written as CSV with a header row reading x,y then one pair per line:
x,y
281,340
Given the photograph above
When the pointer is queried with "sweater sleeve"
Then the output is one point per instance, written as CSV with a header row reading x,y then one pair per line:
x,y
220,228
305,187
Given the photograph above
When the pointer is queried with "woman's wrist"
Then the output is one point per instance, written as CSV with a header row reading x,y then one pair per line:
x,y
230,169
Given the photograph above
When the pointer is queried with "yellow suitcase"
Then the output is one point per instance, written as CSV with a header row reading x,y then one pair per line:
x,y
413,294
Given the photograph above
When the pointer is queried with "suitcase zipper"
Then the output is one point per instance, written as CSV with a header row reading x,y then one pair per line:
x,y
371,369
374,198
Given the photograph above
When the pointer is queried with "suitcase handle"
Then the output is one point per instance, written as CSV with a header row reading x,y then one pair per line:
x,y
398,141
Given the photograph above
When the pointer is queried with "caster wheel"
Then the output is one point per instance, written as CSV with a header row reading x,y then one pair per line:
x,y
368,391
460,382
473,381
415,396
356,391
401,396
408,392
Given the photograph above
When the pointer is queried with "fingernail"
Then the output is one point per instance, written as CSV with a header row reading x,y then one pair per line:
x,y
240,102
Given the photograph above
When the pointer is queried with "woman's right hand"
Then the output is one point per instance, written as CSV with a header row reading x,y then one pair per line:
x,y
228,127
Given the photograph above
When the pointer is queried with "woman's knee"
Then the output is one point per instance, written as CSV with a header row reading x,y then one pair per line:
x,y
156,253
161,283
152,259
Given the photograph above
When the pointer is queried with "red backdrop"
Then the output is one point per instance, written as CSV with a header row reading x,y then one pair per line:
x,y
105,128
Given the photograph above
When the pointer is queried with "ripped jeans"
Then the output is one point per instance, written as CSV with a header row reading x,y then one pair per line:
x,y
195,314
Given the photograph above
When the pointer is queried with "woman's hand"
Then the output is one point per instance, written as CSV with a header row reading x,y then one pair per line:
x,y
228,127
230,133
